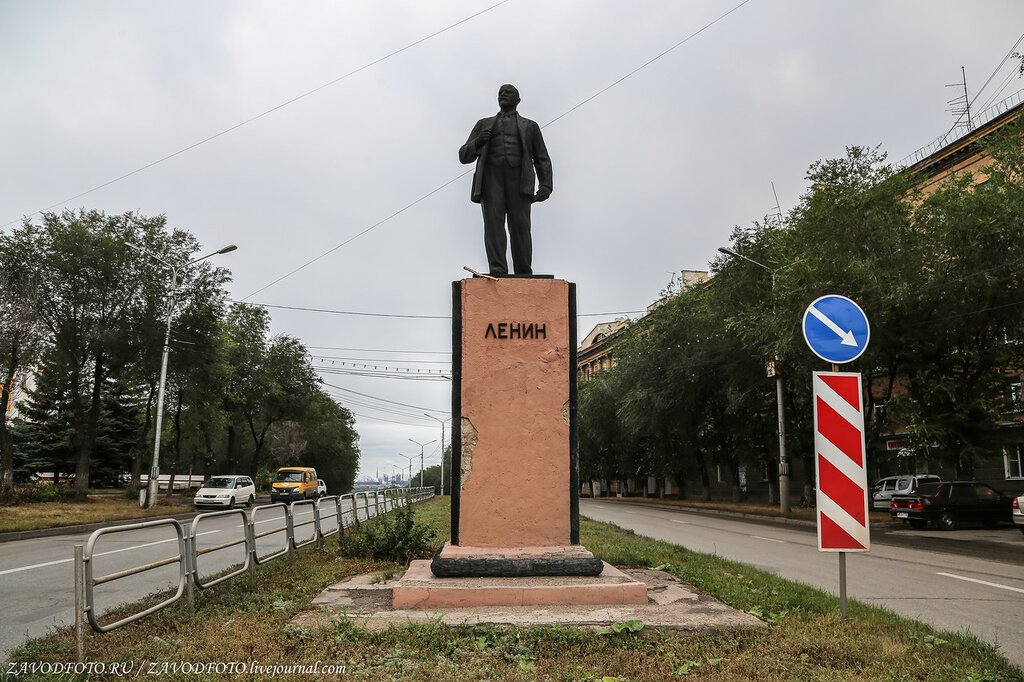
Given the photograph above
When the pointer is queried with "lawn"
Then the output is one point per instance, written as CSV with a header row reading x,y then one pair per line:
x,y
105,507
805,638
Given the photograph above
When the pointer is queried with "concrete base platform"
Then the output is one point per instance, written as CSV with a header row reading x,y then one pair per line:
x,y
460,561
670,604
419,588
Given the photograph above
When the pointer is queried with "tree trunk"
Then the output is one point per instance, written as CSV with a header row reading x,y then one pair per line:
x,y
705,479
6,443
681,483
88,443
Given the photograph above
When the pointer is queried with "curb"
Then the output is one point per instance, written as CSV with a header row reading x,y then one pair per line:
x,y
778,520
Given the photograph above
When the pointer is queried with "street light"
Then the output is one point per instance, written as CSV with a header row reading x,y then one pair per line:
x,y
153,485
443,422
423,445
783,460
410,458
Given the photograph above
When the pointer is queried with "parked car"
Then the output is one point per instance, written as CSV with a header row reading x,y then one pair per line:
x,y
321,488
948,504
1018,512
293,483
226,492
887,488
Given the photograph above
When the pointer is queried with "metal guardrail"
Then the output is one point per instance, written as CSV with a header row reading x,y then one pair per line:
x,y
91,581
195,552
188,552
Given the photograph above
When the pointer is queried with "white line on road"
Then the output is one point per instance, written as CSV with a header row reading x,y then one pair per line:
x,y
759,537
113,551
982,582
678,521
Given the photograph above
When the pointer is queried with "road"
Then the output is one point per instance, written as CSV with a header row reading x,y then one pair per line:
x,y
37,576
950,590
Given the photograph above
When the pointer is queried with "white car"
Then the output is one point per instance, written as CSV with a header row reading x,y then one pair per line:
x,y
321,488
225,492
887,488
1018,512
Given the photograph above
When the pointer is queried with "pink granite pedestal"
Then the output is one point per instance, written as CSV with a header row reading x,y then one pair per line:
x,y
515,484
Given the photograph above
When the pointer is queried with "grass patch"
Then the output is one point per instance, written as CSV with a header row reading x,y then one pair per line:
x,y
804,513
805,640
36,515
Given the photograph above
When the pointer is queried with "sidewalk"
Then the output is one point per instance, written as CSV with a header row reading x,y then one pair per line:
x,y
877,519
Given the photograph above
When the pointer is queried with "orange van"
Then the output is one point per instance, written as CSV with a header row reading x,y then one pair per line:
x,y
293,483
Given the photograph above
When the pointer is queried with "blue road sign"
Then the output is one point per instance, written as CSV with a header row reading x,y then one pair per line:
x,y
836,329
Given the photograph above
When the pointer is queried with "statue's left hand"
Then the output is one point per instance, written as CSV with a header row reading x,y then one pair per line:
x,y
542,194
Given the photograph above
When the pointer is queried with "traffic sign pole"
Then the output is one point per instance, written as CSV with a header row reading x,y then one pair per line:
x,y
837,331
842,563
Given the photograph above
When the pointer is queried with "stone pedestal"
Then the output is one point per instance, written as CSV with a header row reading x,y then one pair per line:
x,y
515,482
515,493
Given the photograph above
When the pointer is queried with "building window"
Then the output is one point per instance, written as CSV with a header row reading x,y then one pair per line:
x,y
1013,457
1014,398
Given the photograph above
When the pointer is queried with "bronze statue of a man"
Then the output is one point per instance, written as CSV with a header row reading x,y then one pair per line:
x,y
507,148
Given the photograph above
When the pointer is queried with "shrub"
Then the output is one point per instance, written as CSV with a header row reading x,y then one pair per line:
x,y
263,479
393,537
41,492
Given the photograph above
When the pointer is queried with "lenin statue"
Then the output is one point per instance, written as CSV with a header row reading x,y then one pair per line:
x,y
510,159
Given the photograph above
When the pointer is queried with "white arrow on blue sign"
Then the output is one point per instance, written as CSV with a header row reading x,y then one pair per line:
x,y
836,329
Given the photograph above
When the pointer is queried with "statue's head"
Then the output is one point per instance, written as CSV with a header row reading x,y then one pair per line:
x,y
508,96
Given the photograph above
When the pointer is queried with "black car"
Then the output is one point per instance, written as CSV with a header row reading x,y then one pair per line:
x,y
950,503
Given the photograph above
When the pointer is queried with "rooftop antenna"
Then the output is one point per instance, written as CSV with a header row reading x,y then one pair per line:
x,y
778,208
961,104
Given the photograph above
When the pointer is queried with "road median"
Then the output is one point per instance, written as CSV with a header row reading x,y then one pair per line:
x,y
804,638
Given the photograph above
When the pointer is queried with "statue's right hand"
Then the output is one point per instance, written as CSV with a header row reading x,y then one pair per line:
x,y
484,137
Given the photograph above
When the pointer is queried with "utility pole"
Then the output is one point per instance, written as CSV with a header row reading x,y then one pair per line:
x,y
153,485
442,421
776,369
410,458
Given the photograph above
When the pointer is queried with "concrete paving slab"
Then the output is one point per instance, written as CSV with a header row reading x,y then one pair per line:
x,y
672,604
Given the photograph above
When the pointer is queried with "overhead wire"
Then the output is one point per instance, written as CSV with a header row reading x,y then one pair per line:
x,y
268,111
465,173
404,315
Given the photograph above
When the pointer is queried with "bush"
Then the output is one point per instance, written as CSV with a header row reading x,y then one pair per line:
x,y
393,537
263,479
41,492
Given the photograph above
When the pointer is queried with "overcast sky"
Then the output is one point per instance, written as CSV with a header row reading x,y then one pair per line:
x,y
650,176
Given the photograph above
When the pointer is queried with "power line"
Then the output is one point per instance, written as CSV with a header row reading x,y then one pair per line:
x,y
324,358
989,80
328,311
383,350
268,111
464,174
385,400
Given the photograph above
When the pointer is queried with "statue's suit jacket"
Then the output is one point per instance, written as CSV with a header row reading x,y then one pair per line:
x,y
535,155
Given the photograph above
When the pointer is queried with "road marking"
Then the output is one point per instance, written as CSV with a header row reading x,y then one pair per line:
x,y
628,512
982,582
113,551
759,537
678,521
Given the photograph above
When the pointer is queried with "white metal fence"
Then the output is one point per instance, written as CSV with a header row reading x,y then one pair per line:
x,y
330,516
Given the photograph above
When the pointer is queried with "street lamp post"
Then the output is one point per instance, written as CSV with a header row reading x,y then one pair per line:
x,y
443,422
784,506
153,485
410,458
423,445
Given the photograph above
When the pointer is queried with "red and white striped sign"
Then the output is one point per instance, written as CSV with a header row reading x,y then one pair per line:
x,y
840,472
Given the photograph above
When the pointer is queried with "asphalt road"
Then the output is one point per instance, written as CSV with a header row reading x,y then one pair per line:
x,y
974,582
37,576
